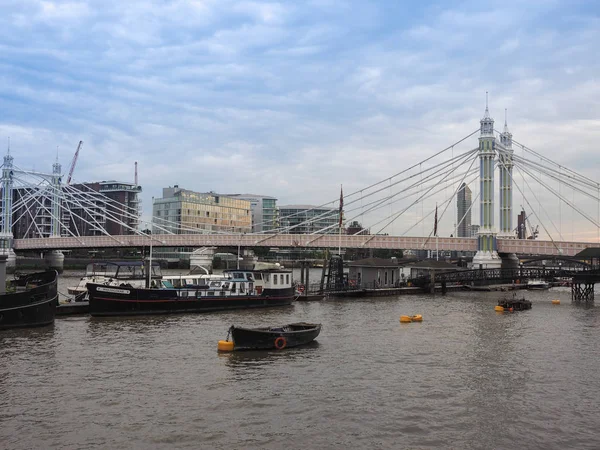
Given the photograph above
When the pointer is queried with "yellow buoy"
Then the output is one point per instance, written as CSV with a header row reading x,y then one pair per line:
x,y
225,346
405,319
498,308
556,302
417,318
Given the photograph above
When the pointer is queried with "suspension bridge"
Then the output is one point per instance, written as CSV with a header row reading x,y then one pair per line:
x,y
59,216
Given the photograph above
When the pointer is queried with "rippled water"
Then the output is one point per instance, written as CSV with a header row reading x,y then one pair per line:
x,y
464,378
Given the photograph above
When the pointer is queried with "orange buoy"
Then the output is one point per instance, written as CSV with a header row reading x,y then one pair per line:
x,y
405,319
225,346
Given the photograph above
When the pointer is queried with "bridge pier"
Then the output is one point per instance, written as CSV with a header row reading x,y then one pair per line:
x,y
55,260
11,260
201,260
582,290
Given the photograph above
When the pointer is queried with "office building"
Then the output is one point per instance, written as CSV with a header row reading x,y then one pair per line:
x,y
463,208
263,210
183,211
307,219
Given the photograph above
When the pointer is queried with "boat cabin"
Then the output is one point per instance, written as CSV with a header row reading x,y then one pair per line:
x,y
231,282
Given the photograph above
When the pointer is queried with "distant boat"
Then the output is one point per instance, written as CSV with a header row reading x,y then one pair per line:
x,y
30,301
537,284
278,338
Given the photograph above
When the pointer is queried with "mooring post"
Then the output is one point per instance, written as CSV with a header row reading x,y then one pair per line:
x,y
3,259
432,284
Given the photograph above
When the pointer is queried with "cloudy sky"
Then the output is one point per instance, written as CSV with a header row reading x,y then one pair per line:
x,y
292,99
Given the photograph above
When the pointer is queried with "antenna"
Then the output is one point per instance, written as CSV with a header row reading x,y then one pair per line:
x,y
8,145
505,117
136,175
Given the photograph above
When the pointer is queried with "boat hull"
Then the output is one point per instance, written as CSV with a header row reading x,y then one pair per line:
x,y
125,301
33,307
266,339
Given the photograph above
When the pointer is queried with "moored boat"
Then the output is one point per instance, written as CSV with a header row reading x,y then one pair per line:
x,y
291,335
236,289
30,301
115,273
537,284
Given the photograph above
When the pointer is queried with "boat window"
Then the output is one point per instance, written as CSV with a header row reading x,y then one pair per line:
x,y
274,279
177,282
267,277
233,287
167,284
238,275
258,276
287,279
249,276
281,278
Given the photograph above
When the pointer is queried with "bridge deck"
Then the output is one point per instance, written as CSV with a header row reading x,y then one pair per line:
x,y
530,247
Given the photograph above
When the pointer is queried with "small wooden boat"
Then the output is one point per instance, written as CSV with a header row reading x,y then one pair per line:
x,y
30,301
513,304
277,338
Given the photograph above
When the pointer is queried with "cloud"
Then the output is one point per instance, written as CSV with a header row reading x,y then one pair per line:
x,y
293,99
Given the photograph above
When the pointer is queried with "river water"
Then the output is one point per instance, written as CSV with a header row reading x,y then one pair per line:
x,y
465,378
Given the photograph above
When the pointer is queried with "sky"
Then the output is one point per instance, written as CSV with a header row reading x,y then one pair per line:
x,y
294,99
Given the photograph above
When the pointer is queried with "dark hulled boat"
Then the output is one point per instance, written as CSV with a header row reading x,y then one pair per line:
x,y
291,335
30,301
238,289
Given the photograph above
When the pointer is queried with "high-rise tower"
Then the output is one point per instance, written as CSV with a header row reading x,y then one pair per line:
x,y
487,250
463,209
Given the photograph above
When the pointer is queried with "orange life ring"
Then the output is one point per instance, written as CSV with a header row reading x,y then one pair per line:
x,y
280,343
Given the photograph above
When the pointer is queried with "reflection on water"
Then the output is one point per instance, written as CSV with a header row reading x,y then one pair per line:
x,y
466,377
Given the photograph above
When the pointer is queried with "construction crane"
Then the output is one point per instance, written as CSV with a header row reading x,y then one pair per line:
x,y
74,162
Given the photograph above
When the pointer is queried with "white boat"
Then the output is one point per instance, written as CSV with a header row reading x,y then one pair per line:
x,y
537,284
115,273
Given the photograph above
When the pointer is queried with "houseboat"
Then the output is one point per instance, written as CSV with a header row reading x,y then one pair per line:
x,y
236,289
29,301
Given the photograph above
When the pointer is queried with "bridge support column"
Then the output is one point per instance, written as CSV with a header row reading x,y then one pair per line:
x,y
201,260
487,249
582,291
55,260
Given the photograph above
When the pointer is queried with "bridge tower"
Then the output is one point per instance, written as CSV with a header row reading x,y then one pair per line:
x,y
6,235
55,258
506,192
487,249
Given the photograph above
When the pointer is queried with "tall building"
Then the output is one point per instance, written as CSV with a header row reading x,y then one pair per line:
x,y
109,206
463,208
115,206
306,219
181,210
263,209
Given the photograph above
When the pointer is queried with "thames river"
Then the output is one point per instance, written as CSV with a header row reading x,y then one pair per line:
x,y
465,378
